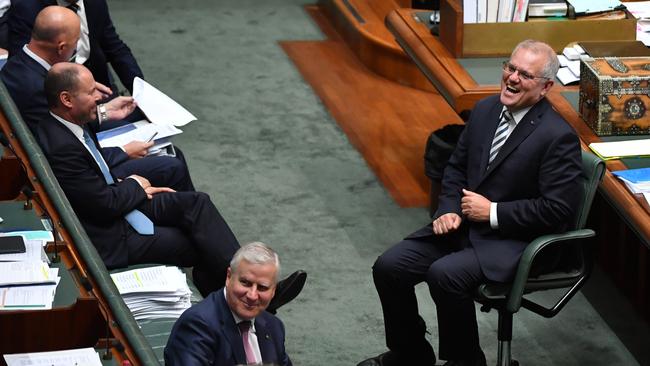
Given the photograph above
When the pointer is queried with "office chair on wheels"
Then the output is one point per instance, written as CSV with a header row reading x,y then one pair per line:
x,y
570,273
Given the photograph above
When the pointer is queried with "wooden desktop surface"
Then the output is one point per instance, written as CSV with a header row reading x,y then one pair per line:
x,y
464,81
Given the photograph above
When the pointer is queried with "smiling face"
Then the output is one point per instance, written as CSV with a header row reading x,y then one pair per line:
x,y
83,100
250,288
518,92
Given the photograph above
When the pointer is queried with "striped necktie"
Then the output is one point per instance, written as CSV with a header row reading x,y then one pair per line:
x,y
138,221
501,135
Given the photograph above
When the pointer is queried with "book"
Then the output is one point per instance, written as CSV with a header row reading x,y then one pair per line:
x,y
547,8
521,8
506,9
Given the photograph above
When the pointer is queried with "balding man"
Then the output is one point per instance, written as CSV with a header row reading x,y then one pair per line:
x,y
131,221
54,40
99,43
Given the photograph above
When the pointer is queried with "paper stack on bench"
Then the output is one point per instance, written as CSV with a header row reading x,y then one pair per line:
x,y
154,292
26,280
636,180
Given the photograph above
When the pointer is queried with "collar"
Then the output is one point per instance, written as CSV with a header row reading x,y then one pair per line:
x,y
519,115
77,130
37,58
237,318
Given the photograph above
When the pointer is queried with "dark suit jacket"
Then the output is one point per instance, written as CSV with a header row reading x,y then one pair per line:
x,y
206,334
99,206
533,179
105,44
24,79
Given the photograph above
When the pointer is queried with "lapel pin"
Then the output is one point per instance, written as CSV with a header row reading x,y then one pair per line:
x,y
532,122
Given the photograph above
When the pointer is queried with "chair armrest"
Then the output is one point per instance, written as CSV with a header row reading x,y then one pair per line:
x,y
528,256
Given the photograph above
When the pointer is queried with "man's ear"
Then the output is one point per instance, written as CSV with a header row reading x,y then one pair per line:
x,y
66,99
547,86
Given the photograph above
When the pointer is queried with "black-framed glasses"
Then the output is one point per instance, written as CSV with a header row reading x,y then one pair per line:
x,y
511,69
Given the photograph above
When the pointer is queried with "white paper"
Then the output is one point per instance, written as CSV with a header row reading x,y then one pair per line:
x,y
566,76
26,273
563,60
150,279
81,356
571,53
28,297
646,195
158,107
142,132
619,149
574,67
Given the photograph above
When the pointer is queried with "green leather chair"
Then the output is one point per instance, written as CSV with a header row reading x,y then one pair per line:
x,y
570,274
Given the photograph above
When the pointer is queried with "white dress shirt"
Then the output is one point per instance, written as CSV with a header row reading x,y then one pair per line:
x,y
83,45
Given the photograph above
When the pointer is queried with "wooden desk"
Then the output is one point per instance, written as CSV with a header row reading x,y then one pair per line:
x,y
464,81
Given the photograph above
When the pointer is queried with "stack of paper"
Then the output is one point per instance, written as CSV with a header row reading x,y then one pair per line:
x,y
154,292
636,180
569,71
81,356
26,281
621,149
641,11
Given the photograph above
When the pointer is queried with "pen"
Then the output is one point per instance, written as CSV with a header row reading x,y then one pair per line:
x,y
152,136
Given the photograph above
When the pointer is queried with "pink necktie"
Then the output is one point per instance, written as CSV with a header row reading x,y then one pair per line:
x,y
244,328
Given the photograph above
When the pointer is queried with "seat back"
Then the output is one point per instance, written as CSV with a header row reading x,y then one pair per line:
x,y
593,169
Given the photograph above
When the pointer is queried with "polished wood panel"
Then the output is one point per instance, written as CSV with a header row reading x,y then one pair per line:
x,y
361,24
388,123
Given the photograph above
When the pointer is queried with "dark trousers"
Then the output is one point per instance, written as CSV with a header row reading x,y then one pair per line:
x,y
450,267
161,171
189,232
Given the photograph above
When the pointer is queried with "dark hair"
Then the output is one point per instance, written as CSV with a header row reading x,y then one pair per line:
x,y
58,80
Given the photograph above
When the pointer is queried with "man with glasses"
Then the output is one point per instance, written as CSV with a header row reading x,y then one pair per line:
x,y
512,177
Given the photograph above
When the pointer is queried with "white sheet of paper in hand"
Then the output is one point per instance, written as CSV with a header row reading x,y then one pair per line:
x,y
158,107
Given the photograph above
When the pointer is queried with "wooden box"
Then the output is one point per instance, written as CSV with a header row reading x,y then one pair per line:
x,y
499,39
615,95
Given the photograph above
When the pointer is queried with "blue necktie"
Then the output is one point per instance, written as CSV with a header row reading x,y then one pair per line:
x,y
138,221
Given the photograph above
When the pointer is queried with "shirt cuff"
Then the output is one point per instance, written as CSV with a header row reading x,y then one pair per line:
x,y
494,223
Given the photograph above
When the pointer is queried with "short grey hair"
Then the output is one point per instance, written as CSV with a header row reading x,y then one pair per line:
x,y
256,253
552,63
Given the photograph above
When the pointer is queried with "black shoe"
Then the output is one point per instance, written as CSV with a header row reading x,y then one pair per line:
x,y
287,290
390,358
478,360
384,359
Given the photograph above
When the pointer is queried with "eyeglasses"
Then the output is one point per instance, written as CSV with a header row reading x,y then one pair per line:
x,y
511,69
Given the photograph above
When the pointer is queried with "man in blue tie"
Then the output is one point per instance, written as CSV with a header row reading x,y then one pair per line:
x,y
130,221
512,177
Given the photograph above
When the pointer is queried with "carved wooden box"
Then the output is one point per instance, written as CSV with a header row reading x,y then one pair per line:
x,y
615,95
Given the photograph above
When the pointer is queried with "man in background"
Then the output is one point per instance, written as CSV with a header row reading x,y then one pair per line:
x,y
231,327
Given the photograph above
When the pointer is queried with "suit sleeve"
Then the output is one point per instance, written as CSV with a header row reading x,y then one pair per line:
x,y
114,156
20,21
284,359
117,52
559,192
191,343
87,191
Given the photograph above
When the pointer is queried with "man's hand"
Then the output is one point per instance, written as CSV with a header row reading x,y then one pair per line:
x,y
137,149
475,206
120,107
103,90
446,223
150,191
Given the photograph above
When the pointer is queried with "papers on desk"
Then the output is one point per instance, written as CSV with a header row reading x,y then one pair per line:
x,y
641,11
636,180
569,71
81,356
154,292
594,6
136,131
621,149
158,107
26,281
